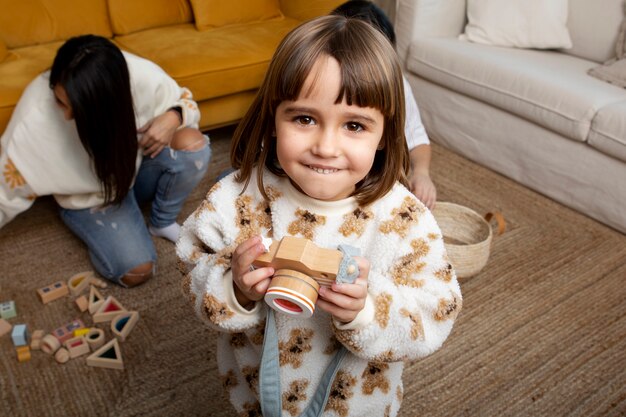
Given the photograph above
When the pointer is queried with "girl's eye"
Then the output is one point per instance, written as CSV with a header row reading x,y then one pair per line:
x,y
354,127
305,120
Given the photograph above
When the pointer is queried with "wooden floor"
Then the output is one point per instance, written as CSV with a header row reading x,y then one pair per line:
x,y
542,331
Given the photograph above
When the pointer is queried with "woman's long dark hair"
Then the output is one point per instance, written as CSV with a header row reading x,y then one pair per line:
x,y
94,74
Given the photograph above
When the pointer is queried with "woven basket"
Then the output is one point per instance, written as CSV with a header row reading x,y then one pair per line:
x,y
467,236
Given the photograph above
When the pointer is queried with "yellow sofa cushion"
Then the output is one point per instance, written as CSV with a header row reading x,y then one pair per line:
x,y
210,14
18,70
308,9
3,51
128,16
211,63
31,22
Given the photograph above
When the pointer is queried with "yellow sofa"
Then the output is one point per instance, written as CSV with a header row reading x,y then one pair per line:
x,y
219,49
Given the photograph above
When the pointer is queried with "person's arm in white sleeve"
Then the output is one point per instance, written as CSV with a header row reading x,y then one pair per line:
x,y
173,109
420,183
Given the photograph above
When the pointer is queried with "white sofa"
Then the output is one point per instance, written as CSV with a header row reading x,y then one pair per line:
x,y
535,116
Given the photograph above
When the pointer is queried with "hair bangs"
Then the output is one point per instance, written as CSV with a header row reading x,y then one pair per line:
x,y
365,76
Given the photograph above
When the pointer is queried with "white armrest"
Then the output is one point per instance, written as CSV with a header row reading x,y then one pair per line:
x,y
435,18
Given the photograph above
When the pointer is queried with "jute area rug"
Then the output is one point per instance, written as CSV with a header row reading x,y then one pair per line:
x,y
542,331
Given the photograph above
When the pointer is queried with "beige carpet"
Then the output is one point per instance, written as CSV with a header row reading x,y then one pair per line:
x,y
542,332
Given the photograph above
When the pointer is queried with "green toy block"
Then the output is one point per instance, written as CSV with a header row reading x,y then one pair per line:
x,y
7,310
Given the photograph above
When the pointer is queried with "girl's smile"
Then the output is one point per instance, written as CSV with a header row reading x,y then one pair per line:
x,y
326,147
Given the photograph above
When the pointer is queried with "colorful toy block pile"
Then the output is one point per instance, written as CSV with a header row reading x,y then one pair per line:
x,y
75,339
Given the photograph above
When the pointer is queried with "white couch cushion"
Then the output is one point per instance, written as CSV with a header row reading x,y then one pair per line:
x,y
593,27
549,88
518,23
608,130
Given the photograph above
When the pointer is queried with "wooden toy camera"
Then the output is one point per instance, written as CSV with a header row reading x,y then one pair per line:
x,y
301,267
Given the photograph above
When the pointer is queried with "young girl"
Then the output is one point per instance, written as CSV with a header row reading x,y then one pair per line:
x,y
321,155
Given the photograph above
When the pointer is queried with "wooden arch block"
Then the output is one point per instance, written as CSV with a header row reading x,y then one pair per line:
x,y
78,282
123,324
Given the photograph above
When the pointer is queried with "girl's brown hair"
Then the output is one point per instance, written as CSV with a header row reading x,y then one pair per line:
x,y
370,77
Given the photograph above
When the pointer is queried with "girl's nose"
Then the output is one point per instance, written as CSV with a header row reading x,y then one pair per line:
x,y
326,145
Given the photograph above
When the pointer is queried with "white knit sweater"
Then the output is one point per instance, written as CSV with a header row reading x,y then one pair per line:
x,y
413,295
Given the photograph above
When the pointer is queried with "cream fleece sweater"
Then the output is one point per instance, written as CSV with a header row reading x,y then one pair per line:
x,y
413,299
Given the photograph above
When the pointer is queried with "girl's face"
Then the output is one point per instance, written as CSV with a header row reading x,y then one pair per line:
x,y
60,95
324,147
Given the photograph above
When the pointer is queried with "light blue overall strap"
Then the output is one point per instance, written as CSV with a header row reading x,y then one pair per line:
x,y
342,275
269,372
269,376
318,402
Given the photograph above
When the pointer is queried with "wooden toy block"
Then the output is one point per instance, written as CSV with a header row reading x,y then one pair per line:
x,y
302,255
107,356
82,303
95,300
23,353
20,335
95,338
76,346
35,341
78,282
81,332
7,310
49,344
62,355
109,309
5,327
97,282
67,330
123,324
53,292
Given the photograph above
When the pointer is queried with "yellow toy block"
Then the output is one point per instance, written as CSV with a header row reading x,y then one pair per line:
x,y
23,353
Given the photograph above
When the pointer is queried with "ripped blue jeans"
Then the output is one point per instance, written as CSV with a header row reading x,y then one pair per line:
x,y
117,236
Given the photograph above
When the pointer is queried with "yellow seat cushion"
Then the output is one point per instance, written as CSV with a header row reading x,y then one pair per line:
x,y
211,14
30,22
3,51
212,63
308,9
18,70
128,16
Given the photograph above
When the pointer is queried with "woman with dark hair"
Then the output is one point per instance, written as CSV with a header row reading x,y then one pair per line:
x,y
420,182
104,131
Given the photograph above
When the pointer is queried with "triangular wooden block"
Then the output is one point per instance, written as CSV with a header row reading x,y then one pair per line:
x,y
108,356
109,309
123,324
95,300
77,283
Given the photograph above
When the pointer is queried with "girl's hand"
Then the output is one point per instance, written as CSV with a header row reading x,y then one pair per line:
x,y
423,188
250,285
158,133
345,301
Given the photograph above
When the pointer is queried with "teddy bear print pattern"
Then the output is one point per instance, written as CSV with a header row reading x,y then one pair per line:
x,y
413,295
